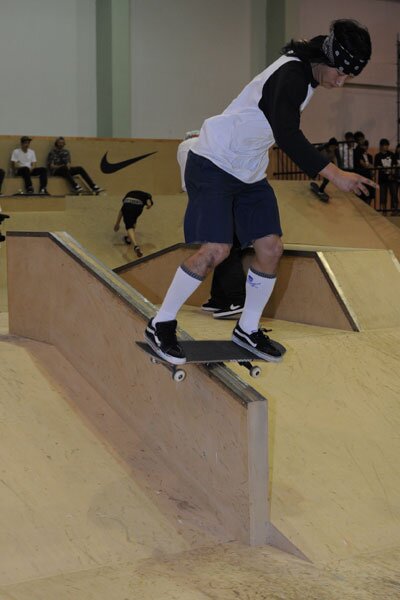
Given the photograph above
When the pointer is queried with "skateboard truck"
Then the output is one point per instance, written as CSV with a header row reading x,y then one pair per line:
x,y
179,374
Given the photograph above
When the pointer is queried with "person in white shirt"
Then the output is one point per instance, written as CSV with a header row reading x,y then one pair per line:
x,y
23,162
346,152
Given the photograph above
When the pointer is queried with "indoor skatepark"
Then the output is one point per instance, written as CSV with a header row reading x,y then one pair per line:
x,y
118,483
124,480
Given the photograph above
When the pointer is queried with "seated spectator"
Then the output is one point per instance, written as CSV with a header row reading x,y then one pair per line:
x,y
384,162
59,163
346,152
23,162
363,165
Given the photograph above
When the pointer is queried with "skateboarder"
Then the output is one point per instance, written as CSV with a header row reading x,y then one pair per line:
x,y
227,187
133,204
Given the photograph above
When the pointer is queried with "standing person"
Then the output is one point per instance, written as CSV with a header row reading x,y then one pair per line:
x,y
228,291
397,171
359,138
59,163
23,162
228,190
133,204
363,165
384,162
330,151
346,152
183,151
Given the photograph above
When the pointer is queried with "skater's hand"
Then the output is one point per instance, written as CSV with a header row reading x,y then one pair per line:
x,y
116,227
348,182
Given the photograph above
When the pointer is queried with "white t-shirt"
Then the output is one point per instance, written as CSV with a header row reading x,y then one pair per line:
x,y
26,159
238,140
183,151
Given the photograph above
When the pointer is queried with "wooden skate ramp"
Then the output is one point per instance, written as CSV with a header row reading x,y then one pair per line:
x,y
337,288
345,222
84,510
211,429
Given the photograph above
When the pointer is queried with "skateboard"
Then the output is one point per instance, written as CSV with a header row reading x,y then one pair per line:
x,y
209,352
321,195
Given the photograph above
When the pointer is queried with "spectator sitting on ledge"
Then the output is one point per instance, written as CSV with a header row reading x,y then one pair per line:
x,y
59,163
23,161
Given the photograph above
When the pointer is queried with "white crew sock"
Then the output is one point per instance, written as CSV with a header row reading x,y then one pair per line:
x,y
259,288
183,285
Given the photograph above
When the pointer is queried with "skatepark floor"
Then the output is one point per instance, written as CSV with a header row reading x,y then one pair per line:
x,y
79,521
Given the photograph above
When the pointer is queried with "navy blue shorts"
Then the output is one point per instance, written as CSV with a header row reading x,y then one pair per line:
x,y
220,204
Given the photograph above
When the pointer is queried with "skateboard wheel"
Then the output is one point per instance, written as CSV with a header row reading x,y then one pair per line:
x,y
179,375
255,372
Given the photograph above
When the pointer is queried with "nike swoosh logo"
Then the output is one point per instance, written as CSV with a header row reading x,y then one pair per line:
x,y
234,306
107,167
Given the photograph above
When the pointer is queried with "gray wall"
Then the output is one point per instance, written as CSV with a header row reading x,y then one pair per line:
x,y
48,67
189,59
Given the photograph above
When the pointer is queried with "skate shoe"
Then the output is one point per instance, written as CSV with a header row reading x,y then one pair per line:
x,y
258,343
161,337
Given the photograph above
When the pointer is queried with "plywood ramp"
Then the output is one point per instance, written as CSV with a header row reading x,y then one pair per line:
x,y
345,222
344,289
98,503
334,416
211,429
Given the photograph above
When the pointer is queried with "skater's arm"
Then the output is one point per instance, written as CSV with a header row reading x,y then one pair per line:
x,y
347,182
282,96
118,221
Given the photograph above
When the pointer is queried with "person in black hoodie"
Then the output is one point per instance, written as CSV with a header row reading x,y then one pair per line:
x,y
384,161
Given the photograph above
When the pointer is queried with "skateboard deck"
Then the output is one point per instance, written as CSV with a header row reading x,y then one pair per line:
x,y
210,352
315,189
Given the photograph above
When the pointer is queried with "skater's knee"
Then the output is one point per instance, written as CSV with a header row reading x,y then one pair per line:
x,y
269,251
219,252
208,257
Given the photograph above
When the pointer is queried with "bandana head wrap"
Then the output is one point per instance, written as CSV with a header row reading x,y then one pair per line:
x,y
341,58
